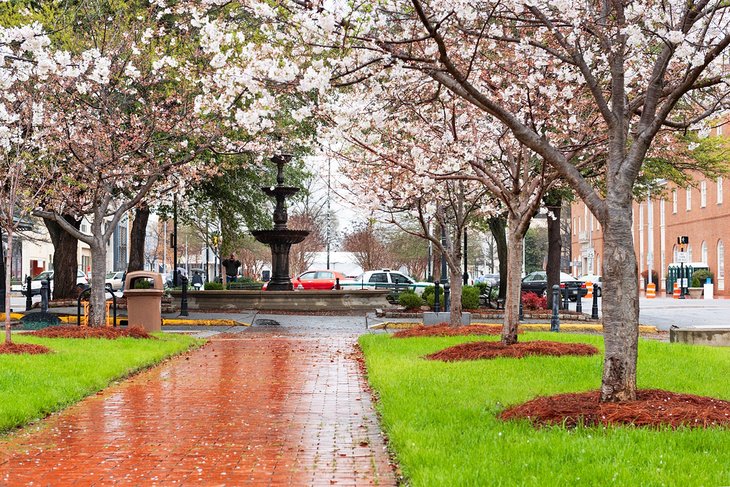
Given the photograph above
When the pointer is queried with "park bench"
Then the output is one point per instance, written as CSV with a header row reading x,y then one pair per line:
x,y
487,300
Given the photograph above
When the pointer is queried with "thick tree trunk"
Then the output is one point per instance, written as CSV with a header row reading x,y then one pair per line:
x,y
456,288
555,245
8,260
97,300
514,283
497,225
620,305
137,239
65,257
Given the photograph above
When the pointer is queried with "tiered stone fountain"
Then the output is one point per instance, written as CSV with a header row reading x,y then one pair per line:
x,y
281,238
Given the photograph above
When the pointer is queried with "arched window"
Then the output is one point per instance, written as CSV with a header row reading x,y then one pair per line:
x,y
598,269
720,266
674,253
689,253
704,251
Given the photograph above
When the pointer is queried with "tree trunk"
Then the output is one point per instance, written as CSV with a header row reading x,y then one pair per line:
x,y
555,245
514,283
497,225
455,297
8,260
620,305
5,295
137,239
65,257
97,300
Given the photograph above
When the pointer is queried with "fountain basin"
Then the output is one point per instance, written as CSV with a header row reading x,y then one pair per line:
x,y
280,236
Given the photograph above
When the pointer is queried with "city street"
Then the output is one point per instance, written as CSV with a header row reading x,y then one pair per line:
x,y
660,312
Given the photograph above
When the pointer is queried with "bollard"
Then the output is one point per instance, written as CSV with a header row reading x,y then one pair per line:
x,y
436,300
566,302
44,295
447,297
555,320
594,310
337,283
28,294
184,297
579,302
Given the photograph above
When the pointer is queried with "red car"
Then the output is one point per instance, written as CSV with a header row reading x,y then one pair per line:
x,y
316,280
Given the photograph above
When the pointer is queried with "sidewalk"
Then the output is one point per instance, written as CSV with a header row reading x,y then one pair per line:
x,y
269,406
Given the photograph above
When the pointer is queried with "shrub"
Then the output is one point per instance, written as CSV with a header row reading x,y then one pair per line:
x,y
142,284
533,301
410,300
470,297
700,277
213,286
482,286
429,293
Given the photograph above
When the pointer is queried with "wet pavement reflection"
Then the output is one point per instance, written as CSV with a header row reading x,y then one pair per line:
x,y
265,407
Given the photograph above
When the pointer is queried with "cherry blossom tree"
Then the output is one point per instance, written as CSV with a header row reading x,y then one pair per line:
x,y
24,169
645,68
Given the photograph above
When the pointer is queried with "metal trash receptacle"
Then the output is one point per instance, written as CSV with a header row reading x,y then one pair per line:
x,y
144,301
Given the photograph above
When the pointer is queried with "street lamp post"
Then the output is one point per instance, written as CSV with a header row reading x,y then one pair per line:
x,y
466,271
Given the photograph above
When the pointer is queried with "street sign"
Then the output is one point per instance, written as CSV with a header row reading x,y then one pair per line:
x,y
682,257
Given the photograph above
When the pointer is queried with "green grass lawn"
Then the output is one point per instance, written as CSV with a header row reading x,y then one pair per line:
x,y
33,386
442,424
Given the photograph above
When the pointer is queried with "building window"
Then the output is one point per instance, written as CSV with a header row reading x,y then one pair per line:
x,y
689,253
674,201
662,212
703,194
720,266
704,251
689,198
674,253
719,190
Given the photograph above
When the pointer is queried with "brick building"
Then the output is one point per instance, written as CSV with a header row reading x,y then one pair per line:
x,y
701,212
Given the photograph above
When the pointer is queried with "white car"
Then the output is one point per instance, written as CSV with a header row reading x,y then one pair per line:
x,y
114,280
35,284
597,283
384,279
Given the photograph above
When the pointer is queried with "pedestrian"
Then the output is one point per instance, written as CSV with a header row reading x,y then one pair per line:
x,y
231,265
197,280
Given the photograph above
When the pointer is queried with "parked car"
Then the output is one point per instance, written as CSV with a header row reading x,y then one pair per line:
x,y
322,280
597,283
114,280
491,279
536,282
385,279
35,284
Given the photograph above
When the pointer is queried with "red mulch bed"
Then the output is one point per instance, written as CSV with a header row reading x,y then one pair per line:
x,y
653,407
20,348
489,350
91,332
445,330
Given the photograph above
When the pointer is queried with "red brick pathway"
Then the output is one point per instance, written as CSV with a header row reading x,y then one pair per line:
x,y
259,409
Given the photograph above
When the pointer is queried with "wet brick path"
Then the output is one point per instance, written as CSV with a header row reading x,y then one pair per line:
x,y
265,407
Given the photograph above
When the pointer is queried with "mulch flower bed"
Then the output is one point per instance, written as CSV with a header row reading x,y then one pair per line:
x,y
21,348
653,407
91,332
445,330
489,350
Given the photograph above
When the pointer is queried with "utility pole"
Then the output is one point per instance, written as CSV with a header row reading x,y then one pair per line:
x,y
650,238
329,214
164,247
466,270
174,242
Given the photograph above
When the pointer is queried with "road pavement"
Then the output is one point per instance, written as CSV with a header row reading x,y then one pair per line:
x,y
661,312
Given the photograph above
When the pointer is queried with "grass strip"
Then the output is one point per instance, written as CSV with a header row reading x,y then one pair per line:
x,y
34,386
570,327
441,418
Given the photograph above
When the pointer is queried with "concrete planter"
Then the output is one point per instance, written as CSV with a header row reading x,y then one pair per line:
x,y
360,300
695,292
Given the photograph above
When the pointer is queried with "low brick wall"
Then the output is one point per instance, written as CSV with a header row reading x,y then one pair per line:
x,y
358,300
